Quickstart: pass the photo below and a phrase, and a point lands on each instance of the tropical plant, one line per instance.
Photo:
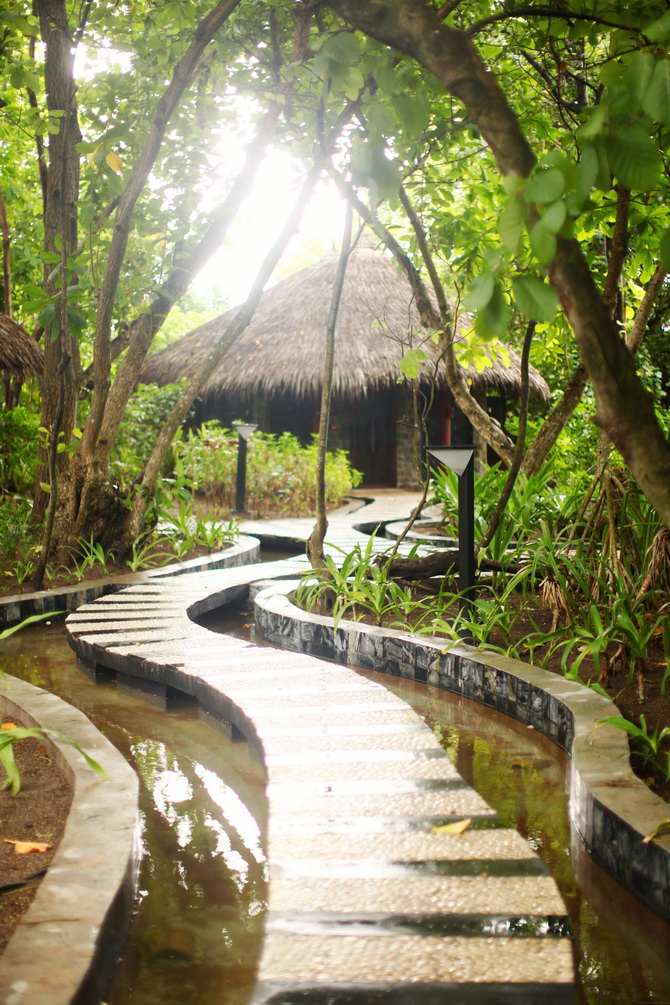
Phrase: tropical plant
(281, 472)
(645, 743)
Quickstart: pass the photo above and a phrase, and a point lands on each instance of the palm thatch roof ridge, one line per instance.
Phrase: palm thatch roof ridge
(283, 348)
(19, 352)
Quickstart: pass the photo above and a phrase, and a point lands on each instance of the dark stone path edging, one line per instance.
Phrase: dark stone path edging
(611, 809)
(65, 945)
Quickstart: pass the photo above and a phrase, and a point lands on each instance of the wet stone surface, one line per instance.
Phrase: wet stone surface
(359, 788)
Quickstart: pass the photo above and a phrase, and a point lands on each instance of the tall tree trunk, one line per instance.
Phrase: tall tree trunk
(60, 393)
(625, 410)
(318, 535)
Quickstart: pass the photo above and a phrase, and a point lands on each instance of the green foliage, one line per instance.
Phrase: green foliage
(19, 438)
(281, 473)
(143, 420)
(645, 743)
(533, 501)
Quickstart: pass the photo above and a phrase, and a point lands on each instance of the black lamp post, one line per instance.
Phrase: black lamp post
(244, 431)
(461, 460)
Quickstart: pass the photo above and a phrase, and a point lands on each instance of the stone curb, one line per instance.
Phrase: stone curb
(14, 610)
(610, 808)
(66, 943)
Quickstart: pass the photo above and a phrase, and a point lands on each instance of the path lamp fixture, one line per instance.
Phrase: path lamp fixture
(461, 460)
(244, 431)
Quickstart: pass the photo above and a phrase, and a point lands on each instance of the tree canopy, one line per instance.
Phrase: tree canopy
(513, 157)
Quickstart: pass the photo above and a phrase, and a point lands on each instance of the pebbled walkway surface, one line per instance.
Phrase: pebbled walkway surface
(372, 896)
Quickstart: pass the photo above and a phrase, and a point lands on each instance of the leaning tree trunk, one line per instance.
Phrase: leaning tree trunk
(60, 389)
(318, 535)
(127, 530)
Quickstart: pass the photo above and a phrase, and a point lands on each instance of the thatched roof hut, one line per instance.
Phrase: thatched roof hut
(282, 350)
(273, 373)
(19, 353)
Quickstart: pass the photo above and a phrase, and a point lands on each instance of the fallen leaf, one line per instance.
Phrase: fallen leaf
(9, 725)
(456, 828)
(657, 831)
(24, 847)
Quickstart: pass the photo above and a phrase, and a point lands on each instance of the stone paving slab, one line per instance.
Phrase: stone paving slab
(356, 785)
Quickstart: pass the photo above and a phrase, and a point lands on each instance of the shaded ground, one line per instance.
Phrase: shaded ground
(37, 813)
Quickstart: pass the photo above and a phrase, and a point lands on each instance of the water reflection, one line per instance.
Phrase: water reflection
(196, 935)
(622, 950)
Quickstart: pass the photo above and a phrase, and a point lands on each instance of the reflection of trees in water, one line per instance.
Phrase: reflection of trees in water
(201, 888)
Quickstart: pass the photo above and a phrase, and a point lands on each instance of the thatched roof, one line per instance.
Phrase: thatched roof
(282, 350)
(18, 351)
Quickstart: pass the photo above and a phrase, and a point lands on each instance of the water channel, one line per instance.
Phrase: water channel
(197, 932)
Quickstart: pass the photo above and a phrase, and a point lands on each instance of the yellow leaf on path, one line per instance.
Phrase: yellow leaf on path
(9, 725)
(657, 831)
(456, 828)
(114, 162)
(24, 847)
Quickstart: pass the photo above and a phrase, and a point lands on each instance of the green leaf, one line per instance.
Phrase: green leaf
(535, 299)
(45, 486)
(587, 173)
(656, 101)
(542, 242)
(659, 29)
(553, 217)
(639, 73)
(76, 320)
(665, 250)
(545, 186)
(492, 320)
(594, 125)
(343, 48)
(411, 362)
(480, 292)
(47, 315)
(512, 183)
(511, 224)
(634, 158)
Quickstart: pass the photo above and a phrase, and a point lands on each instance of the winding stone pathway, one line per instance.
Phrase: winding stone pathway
(371, 899)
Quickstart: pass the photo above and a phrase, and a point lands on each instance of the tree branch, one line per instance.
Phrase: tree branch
(181, 79)
(241, 320)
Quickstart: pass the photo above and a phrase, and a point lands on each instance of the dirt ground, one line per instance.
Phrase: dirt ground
(36, 814)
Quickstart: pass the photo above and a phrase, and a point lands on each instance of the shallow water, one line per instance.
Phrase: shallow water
(197, 933)
(622, 951)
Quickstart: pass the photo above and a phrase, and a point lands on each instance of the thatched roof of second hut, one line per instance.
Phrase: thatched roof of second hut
(282, 350)
(18, 351)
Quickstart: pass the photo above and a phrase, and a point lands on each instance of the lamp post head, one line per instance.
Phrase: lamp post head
(455, 458)
(245, 429)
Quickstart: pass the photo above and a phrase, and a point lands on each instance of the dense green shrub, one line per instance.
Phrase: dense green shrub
(281, 472)
(144, 417)
(19, 439)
